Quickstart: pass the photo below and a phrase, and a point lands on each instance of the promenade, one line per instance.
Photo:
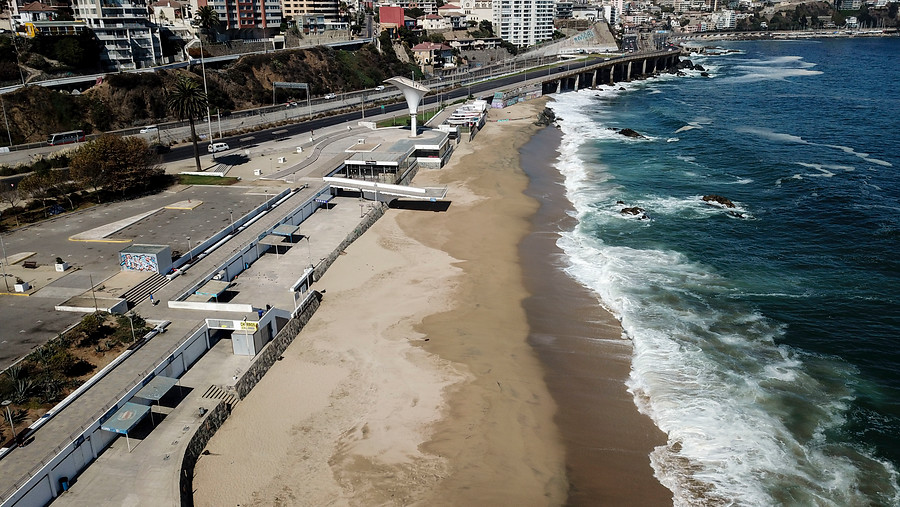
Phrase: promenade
(267, 282)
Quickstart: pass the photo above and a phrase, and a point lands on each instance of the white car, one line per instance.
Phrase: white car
(379, 88)
(217, 147)
(330, 96)
(149, 128)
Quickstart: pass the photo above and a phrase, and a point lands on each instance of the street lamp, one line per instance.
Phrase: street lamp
(231, 213)
(308, 252)
(190, 250)
(6, 404)
(3, 245)
(131, 319)
(206, 92)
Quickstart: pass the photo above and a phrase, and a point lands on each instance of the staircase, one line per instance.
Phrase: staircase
(141, 292)
(221, 393)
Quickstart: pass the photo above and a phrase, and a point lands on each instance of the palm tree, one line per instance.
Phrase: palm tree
(187, 100)
(208, 18)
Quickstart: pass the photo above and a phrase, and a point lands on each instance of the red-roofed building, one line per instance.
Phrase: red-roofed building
(391, 19)
(36, 11)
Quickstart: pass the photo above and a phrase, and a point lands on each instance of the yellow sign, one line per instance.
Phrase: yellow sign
(249, 325)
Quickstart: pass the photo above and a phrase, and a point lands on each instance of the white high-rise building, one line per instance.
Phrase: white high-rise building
(523, 22)
(123, 27)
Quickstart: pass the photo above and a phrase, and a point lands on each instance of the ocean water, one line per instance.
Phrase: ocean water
(765, 336)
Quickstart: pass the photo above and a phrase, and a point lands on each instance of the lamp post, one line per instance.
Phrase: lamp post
(231, 213)
(131, 319)
(3, 245)
(308, 252)
(206, 92)
(190, 250)
(6, 404)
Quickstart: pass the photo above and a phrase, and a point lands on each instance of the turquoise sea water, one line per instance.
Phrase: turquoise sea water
(767, 341)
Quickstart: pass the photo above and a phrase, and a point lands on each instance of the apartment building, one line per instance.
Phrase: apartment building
(130, 41)
(327, 9)
(523, 22)
(247, 14)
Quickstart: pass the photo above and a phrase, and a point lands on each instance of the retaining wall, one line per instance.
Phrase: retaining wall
(216, 417)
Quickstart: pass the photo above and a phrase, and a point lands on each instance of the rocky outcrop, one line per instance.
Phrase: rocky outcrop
(545, 117)
(631, 133)
(635, 212)
(714, 200)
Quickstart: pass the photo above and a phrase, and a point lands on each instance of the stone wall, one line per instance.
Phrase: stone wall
(216, 417)
(207, 429)
(263, 361)
(273, 350)
(370, 219)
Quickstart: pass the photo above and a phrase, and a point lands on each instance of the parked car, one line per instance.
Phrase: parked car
(149, 128)
(330, 96)
(217, 147)
(379, 88)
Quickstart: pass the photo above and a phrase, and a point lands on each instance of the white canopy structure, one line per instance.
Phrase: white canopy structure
(413, 92)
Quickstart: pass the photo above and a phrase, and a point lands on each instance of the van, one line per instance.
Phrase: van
(379, 88)
(149, 128)
(217, 147)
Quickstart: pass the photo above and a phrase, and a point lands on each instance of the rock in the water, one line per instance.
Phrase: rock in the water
(635, 211)
(631, 133)
(699, 67)
(704, 74)
(718, 199)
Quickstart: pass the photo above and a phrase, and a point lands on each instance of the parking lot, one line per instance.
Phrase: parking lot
(30, 321)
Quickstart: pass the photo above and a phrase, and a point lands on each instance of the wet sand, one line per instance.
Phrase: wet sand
(607, 440)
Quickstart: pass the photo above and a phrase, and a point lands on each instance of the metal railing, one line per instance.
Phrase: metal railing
(51, 455)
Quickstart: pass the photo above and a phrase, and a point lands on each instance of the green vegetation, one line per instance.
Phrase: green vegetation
(192, 179)
(55, 369)
(118, 166)
(188, 101)
(403, 121)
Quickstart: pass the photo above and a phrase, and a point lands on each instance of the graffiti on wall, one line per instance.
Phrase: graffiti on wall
(138, 262)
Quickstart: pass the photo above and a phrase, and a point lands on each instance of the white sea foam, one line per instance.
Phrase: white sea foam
(772, 135)
(746, 422)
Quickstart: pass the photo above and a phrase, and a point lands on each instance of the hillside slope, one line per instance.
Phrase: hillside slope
(128, 100)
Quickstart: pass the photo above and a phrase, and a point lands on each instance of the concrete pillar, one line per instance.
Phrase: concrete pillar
(612, 72)
(644, 67)
(577, 77)
(412, 122)
(594, 78)
(559, 86)
(628, 72)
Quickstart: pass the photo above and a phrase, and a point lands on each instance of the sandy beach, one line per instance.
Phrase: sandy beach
(418, 380)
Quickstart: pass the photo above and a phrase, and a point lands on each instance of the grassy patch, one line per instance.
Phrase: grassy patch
(191, 179)
(403, 121)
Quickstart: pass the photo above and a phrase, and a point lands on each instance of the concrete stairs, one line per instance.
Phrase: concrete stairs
(221, 393)
(141, 292)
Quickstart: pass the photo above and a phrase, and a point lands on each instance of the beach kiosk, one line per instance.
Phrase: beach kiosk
(148, 258)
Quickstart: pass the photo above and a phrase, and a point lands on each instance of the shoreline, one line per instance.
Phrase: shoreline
(585, 354)
(416, 381)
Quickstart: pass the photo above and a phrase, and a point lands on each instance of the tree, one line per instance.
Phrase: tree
(486, 27)
(187, 101)
(39, 185)
(10, 195)
(208, 19)
(114, 163)
(838, 18)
